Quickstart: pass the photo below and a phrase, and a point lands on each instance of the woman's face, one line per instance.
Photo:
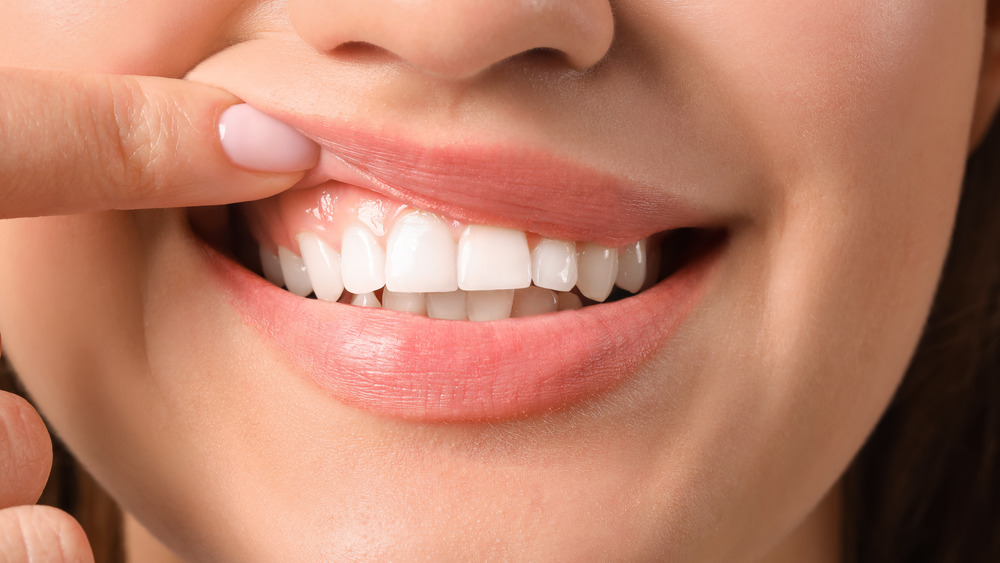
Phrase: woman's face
(238, 421)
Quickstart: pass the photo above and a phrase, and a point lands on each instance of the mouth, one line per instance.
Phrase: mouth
(394, 299)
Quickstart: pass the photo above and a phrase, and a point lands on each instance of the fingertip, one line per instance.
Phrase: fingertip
(42, 533)
(256, 141)
(25, 452)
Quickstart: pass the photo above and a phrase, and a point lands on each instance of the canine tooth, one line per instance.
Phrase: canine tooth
(405, 302)
(489, 305)
(569, 301)
(598, 268)
(449, 306)
(322, 265)
(553, 264)
(420, 256)
(633, 261)
(533, 301)
(366, 300)
(271, 266)
(362, 260)
(293, 269)
(493, 258)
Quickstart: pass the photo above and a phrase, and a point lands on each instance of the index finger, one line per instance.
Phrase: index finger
(73, 143)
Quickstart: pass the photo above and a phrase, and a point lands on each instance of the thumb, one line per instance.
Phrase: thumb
(74, 143)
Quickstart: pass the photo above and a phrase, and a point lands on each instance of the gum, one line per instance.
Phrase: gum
(326, 210)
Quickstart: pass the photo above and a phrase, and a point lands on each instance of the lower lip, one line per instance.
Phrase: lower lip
(412, 367)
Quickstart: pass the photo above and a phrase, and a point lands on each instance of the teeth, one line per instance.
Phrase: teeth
(553, 265)
(366, 300)
(598, 269)
(449, 306)
(534, 301)
(293, 269)
(569, 301)
(492, 258)
(420, 256)
(489, 305)
(271, 264)
(323, 266)
(404, 302)
(633, 262)
(362, 259)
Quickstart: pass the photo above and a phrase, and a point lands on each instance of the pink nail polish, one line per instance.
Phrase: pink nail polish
(255, 140)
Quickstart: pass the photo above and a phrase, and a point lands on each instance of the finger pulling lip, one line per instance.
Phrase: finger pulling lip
(406, 366)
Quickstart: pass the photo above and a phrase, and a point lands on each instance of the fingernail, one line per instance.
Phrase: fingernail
(257, 141)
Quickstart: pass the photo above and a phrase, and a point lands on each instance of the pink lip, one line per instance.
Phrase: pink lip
(501, 185)
(406, 366)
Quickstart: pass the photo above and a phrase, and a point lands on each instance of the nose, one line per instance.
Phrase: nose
(459, 39)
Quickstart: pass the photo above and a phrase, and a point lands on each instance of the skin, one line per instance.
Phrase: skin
(832, 135)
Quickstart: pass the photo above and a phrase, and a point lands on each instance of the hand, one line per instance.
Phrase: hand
(74, 143)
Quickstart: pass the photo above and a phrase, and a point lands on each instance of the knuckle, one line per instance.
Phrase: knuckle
(138, 142)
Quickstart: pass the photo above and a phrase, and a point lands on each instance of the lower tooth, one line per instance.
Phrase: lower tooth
(569, 301)
(293, 269)
(489, 305)
(323, 266)
(271, 266)
(533, 301)
(366, 300)
(404, 302)
(448, 306)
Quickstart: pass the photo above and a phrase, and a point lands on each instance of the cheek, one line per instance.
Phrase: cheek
(156, 37)
(68, 288)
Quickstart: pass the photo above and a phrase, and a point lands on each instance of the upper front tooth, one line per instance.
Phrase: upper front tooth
(271, 266)
(420, 256)
(632, 264)
(362, 260)
(598, 266)
(323, 266)
(493, 258)
(553, 264)
(293, 269)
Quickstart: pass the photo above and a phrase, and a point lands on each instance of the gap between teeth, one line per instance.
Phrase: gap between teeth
(490, 273)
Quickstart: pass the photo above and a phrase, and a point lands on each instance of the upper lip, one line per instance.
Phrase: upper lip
(532, 190)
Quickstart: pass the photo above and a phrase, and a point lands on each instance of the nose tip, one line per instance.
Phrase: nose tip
(459, 39)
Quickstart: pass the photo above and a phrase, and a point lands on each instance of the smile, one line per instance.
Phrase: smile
(379, 293)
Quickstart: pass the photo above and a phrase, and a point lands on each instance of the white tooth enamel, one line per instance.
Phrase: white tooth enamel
(598, 269)
(271, 266)
(493, 258)
(489, 305)
(404, 302)
(323, 266)
(633, 261)
(293, 269)
(533, 301)
(420, 256)
(569, 301)
(449, 306)
(553, 264)
(362, 260)
(366, 300)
